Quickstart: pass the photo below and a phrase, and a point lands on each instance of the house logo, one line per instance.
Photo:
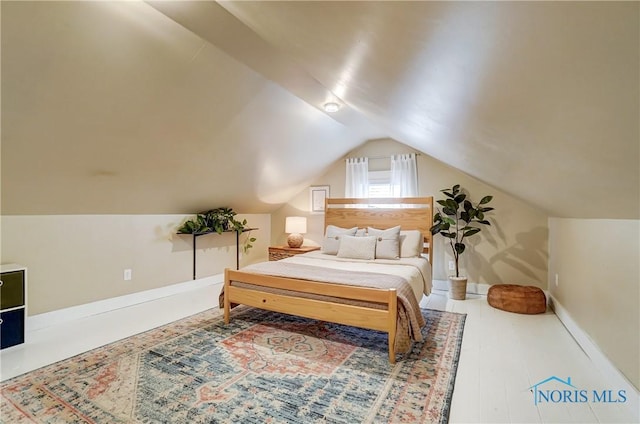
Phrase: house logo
(556, 390)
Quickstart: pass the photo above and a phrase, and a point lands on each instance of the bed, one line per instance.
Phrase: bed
(326, 286)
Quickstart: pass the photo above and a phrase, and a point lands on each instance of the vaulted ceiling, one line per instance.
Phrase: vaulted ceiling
(172, 107)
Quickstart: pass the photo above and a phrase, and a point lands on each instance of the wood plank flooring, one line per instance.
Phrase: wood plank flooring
(503, 355)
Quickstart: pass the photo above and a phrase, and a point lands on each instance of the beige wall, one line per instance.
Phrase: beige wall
(596, 261)
(77, 259)
(513, 250)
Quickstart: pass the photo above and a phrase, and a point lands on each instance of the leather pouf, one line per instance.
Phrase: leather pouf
(518, 299)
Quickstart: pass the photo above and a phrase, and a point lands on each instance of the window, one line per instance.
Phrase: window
(380, 184)
(400, 180)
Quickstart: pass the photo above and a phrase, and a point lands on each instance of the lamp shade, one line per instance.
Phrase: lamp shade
(295, 224)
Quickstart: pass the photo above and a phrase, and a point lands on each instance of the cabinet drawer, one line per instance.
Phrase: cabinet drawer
(11, 328)
(12, 289)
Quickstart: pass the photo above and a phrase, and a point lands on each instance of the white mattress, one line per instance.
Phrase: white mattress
(417, 271)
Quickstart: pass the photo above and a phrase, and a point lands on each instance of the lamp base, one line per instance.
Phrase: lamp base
(295, 240)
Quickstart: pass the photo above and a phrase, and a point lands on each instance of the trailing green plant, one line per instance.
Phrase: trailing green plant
(247, 244)
(217, 220)
(457, 218)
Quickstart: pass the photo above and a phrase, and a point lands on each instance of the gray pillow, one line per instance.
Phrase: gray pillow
(411, 243)
(353, 247)
(331, 241)
(387, 242)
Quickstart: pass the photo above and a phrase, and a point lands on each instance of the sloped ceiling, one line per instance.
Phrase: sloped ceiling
(113, 108)
(164, 107)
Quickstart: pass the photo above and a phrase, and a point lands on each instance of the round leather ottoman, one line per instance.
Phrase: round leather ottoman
(518, 299)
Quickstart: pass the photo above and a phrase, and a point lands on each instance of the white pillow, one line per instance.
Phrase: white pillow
(331, 241)
(411, 243)
(353, 247)
(387, 242)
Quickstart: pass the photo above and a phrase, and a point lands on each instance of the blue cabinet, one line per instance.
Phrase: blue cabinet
(11, 328)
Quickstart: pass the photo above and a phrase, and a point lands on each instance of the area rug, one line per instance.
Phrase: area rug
(264, 367)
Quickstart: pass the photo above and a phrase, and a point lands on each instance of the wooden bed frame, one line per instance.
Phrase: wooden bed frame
(417, 214)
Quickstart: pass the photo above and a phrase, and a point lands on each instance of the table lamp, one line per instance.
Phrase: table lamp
(295, 226)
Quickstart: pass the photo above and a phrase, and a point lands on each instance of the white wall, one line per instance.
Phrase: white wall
(77, 259)
(597, 263)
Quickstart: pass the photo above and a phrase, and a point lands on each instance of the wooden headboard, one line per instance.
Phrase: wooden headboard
(411, 213)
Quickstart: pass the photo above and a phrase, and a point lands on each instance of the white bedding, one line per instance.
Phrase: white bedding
(417, 271)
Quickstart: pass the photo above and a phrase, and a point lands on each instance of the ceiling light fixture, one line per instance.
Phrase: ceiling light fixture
(331, 107)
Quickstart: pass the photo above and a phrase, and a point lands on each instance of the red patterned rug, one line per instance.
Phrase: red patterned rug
(264, 367)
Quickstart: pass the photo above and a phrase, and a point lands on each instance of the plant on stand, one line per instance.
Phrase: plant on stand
(217, 220)
(456, 221)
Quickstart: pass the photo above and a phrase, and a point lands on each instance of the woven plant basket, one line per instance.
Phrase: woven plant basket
(458, 288)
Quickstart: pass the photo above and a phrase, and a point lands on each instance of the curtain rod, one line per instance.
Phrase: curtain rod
(382, 157)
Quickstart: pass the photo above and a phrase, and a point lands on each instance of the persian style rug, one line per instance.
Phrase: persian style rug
(263, 367)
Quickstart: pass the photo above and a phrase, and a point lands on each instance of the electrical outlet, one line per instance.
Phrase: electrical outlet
(556, 280)
(452, 266)
(127, 274)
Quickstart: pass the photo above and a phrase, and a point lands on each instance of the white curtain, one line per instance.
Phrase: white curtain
(404, 175)
(357, 181)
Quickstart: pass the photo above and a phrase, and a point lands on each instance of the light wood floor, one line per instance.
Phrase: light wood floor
(503, 354)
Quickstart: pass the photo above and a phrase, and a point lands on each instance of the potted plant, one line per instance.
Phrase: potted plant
(457, 221)
(216, 220)
(222, 219)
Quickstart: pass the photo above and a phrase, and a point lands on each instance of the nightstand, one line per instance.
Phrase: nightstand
(280, 252)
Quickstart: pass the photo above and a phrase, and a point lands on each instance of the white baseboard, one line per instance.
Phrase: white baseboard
(600, 361)
(472, 288)
(40, 321)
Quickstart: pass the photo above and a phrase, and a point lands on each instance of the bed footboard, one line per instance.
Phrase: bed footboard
(295, 302)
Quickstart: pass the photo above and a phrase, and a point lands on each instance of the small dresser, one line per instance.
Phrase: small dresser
(280, 252)
(13, 294)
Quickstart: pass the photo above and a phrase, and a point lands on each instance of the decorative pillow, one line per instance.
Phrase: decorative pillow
(387, 242)
(411, 243)
(353, 247)
(331, 241)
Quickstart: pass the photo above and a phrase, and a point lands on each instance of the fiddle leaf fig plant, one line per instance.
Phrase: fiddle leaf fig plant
(458, 219)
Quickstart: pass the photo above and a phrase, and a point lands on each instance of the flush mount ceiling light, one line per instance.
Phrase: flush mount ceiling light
(331, 107)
